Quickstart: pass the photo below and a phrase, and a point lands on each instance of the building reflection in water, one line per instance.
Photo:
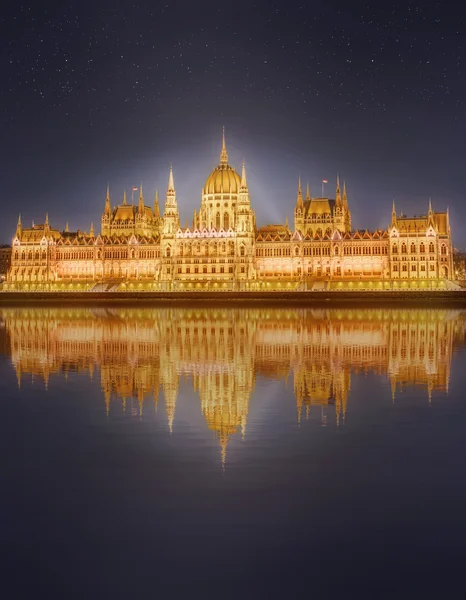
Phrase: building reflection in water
(139, 352)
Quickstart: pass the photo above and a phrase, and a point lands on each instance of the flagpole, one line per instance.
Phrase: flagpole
(322, 188)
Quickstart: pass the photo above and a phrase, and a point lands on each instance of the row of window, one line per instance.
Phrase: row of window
(404, 267)
(204, 269)
(422, 248)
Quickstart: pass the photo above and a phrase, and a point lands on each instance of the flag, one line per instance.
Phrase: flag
(324, 181)
(135, 189)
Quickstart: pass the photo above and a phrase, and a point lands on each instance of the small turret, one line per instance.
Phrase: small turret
(308, 192)
(393, 214)
(124, 198)
(91, 230)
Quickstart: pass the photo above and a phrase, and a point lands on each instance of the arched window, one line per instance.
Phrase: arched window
(296, 251)
(431, 247)
(336, 250)
(133, 253)
(226, 221)
(168, 252)
(217, 220)
(413, 248)
(403, 248)
(394, 249)
(242, 251)
(422, 248)
(443, 249)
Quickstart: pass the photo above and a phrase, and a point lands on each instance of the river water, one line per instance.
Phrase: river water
(233, 453)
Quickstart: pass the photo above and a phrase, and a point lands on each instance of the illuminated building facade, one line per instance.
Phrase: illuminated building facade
(138, 246)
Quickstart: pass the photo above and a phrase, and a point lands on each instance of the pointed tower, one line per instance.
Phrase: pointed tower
(105, 222)
(337, 193)
(141, 202)
(67, 228)
(223, 153)
(107, 201)
(430, 214)
(299, 210)
(124, 198)
(156, 206)
(393, 214)
(171, 218)
(308, 193)
(47, 224)
(346, 211)
(19, 228)
(91, 230)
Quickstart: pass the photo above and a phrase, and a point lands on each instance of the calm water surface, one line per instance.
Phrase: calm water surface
(243, 453)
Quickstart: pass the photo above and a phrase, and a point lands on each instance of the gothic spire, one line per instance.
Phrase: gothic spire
(19, 226)
(124, 198)
(141, 201)
(107, 201)
(337, 192)
(308, 191)
(393, 213)
(345, 199)
(299, 199)
(67, 228)
(91, 230)
(156, 205)
(431, 212)
(223, 153)
(244, 183)
(171, 184)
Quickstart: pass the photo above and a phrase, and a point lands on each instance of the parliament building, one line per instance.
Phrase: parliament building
(140, 247)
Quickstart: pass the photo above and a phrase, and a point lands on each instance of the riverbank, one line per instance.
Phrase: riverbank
(421, 298)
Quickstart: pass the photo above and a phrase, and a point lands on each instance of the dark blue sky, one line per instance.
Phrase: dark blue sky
(103, 91)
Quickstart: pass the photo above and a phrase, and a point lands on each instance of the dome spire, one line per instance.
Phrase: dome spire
(223, 153)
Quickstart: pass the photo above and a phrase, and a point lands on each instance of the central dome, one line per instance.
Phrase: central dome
(223, 179)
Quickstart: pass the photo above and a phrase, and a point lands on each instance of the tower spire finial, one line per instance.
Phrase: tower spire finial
(244, 183)
(141, 201)
(171, 183)
(124, 198)
(299, 199)
(337, 192)
(430, 206)
(223, 153)
(345, 199)
(308, 191)
(156, 205)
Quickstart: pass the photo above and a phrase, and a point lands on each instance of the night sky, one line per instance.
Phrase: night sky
(97, 92)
